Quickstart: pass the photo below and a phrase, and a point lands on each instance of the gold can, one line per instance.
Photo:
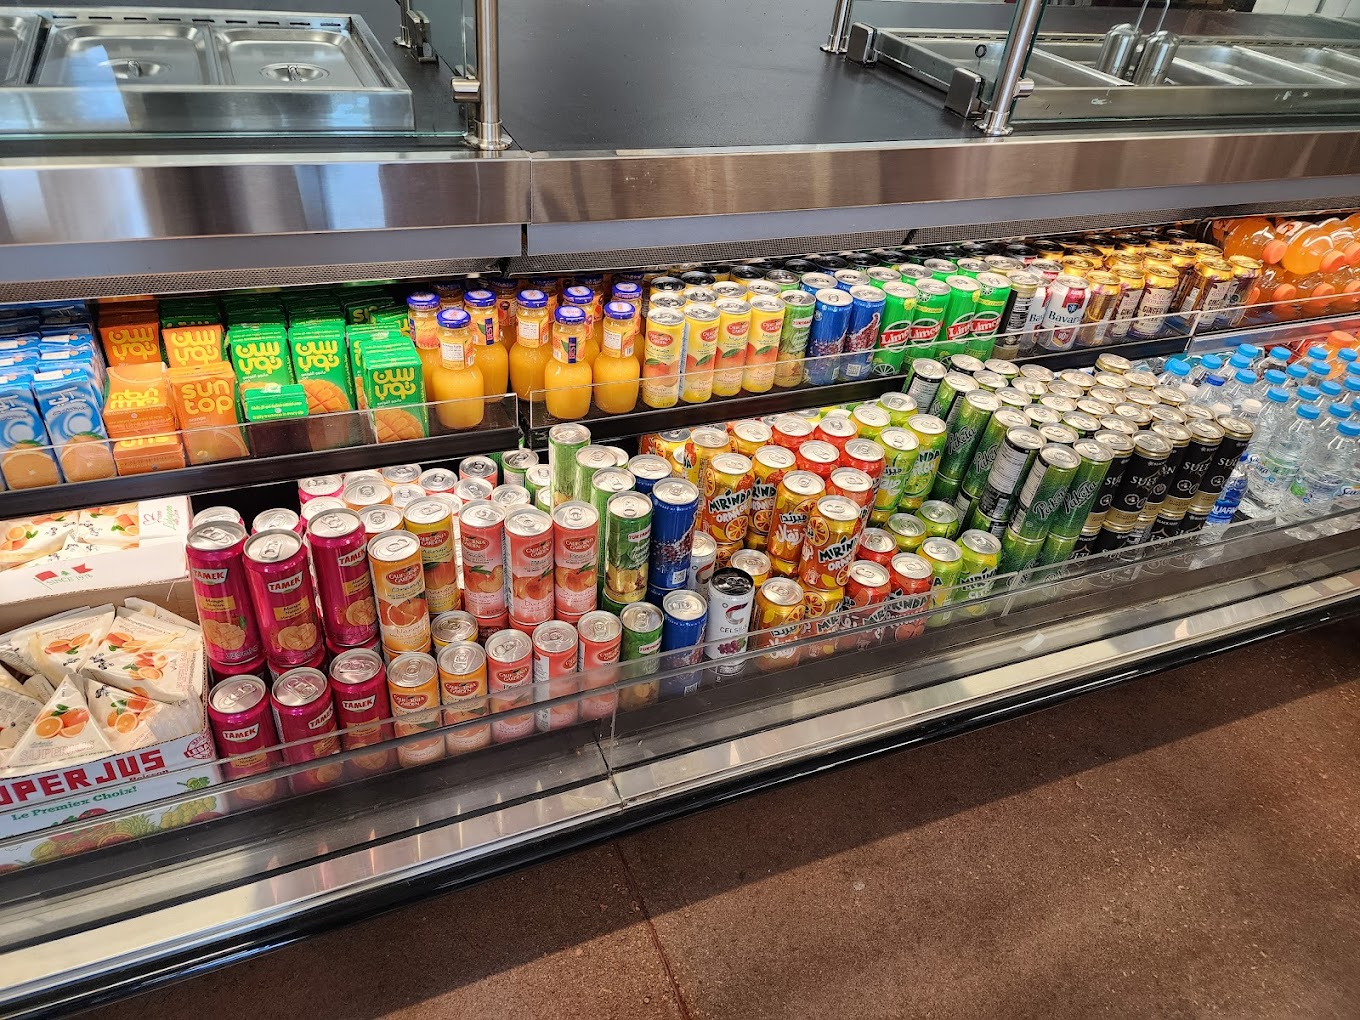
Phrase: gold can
(1049, 249)
(725, 501)
(705, 443)
(665, 444)
(1247, 273)
(750, 435)
(777, 620)
(1180, 256)
(1206, 288)
(1104, 290)
(1159, 287)
(829, 543)
(1080, 265)
(1131, 293)
(795, 496)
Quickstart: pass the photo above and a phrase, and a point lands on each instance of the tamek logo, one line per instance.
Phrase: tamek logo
(352, 558)
(285, 585)
(210, 577)
(357, 706)
(241, 736)
(324, 720)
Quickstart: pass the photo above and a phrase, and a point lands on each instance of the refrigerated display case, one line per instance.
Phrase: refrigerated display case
(713, 156)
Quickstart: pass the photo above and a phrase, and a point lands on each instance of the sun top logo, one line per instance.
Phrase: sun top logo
(242, 735)
(285, 585)
(352, 558)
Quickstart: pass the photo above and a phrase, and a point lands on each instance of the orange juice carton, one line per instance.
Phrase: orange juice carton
(187, 346)
(260, 355)
(70, 402)
(123, 718)
(60, 646)
(138, 401)
(147, 656)
(131, 334)
(141, 455)
(60, 733)
(204, 397)
(26, 459)
(394, 391)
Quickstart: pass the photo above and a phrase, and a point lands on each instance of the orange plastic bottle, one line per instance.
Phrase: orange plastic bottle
(1256, 238)
(1312, 250)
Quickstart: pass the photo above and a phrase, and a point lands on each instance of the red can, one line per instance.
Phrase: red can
(790, 431)
(349, 616)
(870, 584)
(482, 525)
(818, 457)
(509, 679)
(555, 657)
(877, 546)
(220, 671)
(281, 591)
(280, 517)
(485, 628)
(911, 580)
(305, 715)
(380, 519)
(359, 686)
(216, 557)
(854, 485)
(332, 650)
(576, 549)
(529, 553)
(601, 639)
(836, 429)
(866, 455)
(277, 669)
(470, 490)
(243, 731)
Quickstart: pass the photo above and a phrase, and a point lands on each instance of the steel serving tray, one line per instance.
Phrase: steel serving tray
(18, 44)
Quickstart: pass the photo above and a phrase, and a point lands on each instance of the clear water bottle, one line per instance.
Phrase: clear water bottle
(1239, 388)
(1331, 390)
(1273, 416)
(1174, 372)
(1350, 391)
(1347, 356)
(1270, 475)
(1210, 364)
(1275, 377)
(1327, 469)
(1228, 500)
(1317, 353)
(1254, 355)
(1279, 358)
(1296, 375)
(1305, 395)
(1318, 371)
(1238, 362)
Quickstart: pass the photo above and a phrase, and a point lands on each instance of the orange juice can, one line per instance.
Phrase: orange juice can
(413, 690)
(829, 544)
(462, 692)
(556, 650)
(529, 551)
(725, 511)
(362, 493)
(482, 530)
(777, 620)
(399, 586)
(795, 496)
(430, 519)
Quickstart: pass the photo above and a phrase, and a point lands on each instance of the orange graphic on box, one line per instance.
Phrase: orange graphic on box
(204, 399)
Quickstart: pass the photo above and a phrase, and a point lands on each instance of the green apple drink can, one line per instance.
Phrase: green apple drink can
(958, 316)
(899, 309)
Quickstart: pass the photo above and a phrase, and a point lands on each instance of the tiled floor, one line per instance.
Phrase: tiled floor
(1182, 846)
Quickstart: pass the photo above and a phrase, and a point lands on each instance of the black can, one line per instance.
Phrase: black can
(782, 278)
(1026, 253)
(698, 278)
(1141, 473)
(1086, 545)
(799, 266)
(1121, 448)
(1192, 521)
(1199, 454)
(860, 259)
(829, 263)
(1112, 537)
(1165, 526)
(1179, 438)
(915, 254)
(747, 274)
(1237, 433)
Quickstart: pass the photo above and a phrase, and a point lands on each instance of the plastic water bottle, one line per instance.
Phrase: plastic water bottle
(1280, 357)
(1351, 388)
(1238, 362)
(1347, 356)
(1228, 500)
(1327, 469)
(1318, 370)
(1296, 375)
(1317, 353)
(1270, 476)
(1275, 376)
(1210, 364)
(1175, 372)
(1305, 395)
(1254, 355)
(1273, 416)
(1239, 388)
(1331, 390)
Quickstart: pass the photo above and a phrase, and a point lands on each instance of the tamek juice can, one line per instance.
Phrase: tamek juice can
(216, 559)
(304, 712)
(359, 687)
(243, 730)
(349, 615)
(280, 581)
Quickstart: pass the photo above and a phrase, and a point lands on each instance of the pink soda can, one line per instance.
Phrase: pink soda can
(280, 580)
(362, 710)
(304, 712)
(349, 614)
(216, 558)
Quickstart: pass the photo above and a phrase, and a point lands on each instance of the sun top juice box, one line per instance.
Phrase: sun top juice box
(191, 345)
(272, 402)
(70, 401)
(394, 390)
(131, 334)
(26, 459)
(204, 397)
(359, 303)
(321, 365)
(138, 402)
(189, 311)
(142, 454)
(260, 355)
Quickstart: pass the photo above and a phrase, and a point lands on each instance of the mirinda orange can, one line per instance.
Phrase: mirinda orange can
(399, 587)
(462, 692)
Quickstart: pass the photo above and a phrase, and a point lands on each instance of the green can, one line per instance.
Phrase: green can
(870, 419)
(1012, 397)
(967, 422)
(881, 276)
(928, 324)
(627, 536)
(940, 519)
(993, 294)
(958, 317)
(1011, 467)
(946, 564)
(641, 640)
(1018, 553)
(1069, 519)
(1044, 490)
(604, 486)
(899, 406)
(1084, 424)
(981, 561)
(990, 381)
(923, 381)
(1008, 369)
(965, 363)
(951, 387)
(900, 450)
(798, 308)
(941, 269)
(907, 530)
(977, 520)
(565, 441)
(946, 487)
(543, 499)
(1057, 548)
(899, 310)
(589, 460)
(931, 436)
(984, 454)
(613, 602)
(913, 272)
(1063, 435)
(539, 479)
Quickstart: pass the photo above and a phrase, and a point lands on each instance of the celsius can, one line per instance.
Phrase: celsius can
(509, 679)
(731, 594)
(280, 581)
(349, 616)
(215, 553)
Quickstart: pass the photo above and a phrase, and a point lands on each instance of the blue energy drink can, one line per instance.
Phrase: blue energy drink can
(826, 340)
(675, 507)
(813, 282)
(866, 315)
(684, 616)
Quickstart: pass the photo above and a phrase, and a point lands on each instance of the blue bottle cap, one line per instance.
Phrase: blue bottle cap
(1330, 388)
(1275, 377)
(571, 315)
(1298, 370)
(453, 318)
(1320, 368)
(423, 301)
(1238, 361)
(624, 310)
(532, 299)
(1309, 411)
(480, 299)
(1347, 354)
(626, 290)
(1353, 368)
(1308, 394)
(1280, 354)
(1339, 411)
(1349, 428)
(1211, 362)
(1249, 351)
(1317, 353)
(578, 295)
(1178, 367)
(1353, 383)
(1277, 396)
(1246, 377)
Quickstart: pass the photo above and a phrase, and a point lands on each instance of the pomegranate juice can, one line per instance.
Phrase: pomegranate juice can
(462, 692)
(280, 580)
(482, 524)
(576, 553)
(399, 589)
(359, 686)
(243, 731)
(509, 679)
(413, 688)
(601, 641)
(529, 554)
(216, 559)
(349, 616)
(555, 658)
(305, 715)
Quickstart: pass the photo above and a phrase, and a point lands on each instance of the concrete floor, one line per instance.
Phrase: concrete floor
(1182, 846)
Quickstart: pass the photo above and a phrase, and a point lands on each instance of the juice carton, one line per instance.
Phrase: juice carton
(394, 391)
(189, 311)
(321, 365)
(138, 402)
(62, 355)
(359, 303)
(204, 398)
(70, 401)
(141, 454)
(260, 355)
(26, 459)
(278, 417)
(131, 333)
(192, 345)
(393, 316)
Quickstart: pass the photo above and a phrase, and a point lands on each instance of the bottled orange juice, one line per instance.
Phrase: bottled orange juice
(531, 354)
(422, 313)
(567, 377)
(488, 353)
(584, 298)
(631, 293)
(1312, 250)
(455, 379)
(616, 370)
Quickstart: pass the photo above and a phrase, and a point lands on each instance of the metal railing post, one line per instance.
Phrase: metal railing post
(840, 28)
(1010, 81)
(487, 130)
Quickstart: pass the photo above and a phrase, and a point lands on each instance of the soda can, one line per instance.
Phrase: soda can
(877, 546)
(967, 424)
(941, 268)
(311, 509)
(589, 460)
(304, 714)
(912, 579)
(1237, 434)
(836, 429)
(899, 406)
(700, 351)
(1012, 462)
(507, 497)
(308, 489)
(769, 464)
(799, 307)
(509, 685)
(812, 282)
(958, 316)
(790, 431)
(1205, 437)
(565, 441)
(399, 590)
(754, 563)
(927, 325)
(280, 518)
(1070, 516)
(865, 455)
(951, 387)
(939, 519)
(899, 312)
(946, 565)
(400, 474)
(1019, 553)
(458, 625)
(684, 619)
(529, 543)
(647, 469)
(829, 545)
(1057, 549)
(731, 595)
(675, 511)
(749, 435)
(413, 690)
(1142, 472)
(931, 436)
(1064, 312)
(627, 538)
(871, 419)
(820, 608)
(817, 457)
(726, 507)
(848, 279)
(556, 657)
(431, 521)
(482, 535)
(796, 494)
(900, 449)
(480, 467)
(826, 339)
(703, 558)
(243, 730)
(349, 615)
(776, 621)
(601, 639)
(469, 490)
(215, 554)
(365, 492)
(663, 356)
(463, 695)
(280, 581)
(866, 316)
(1120, 447)
(734, 329)
(869, 586)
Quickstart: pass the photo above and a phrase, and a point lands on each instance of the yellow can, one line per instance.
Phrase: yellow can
(701, 346)
(664, 349)
(734, 329)
(399, 587)
(705, 443)
(665, 444)
(462, 692)
(749, 435)
(431, 521)
(762, 350)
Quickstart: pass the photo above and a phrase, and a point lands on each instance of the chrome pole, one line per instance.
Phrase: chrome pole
(1010, 81)
(487, 131)
(840, 27)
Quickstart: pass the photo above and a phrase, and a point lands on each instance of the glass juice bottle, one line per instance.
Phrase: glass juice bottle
(566, 379)
(531, 353)
(616, 370)
(456, 380)
(488, 354)
(422, 314)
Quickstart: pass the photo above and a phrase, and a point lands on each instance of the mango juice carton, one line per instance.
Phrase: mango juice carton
(70, 401)
(193, 345)
(394, 391)
(260, 356)
(278, 419)
(189, 311)
(359, 303)
(131, 333)
(26, 460)
(143, 454)
(321, 365)
(204, 397)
